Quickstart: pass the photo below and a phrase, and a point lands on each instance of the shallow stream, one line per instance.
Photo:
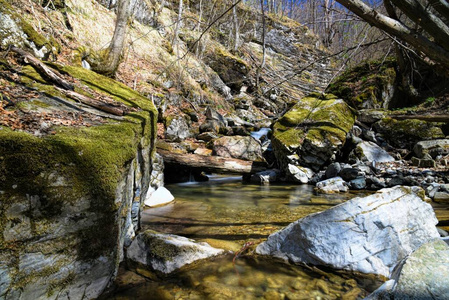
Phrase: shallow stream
(227, 213)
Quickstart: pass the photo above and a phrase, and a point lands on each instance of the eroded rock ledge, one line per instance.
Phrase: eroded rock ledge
(70, 200)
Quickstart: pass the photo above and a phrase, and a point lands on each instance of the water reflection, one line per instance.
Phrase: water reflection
(227, 213)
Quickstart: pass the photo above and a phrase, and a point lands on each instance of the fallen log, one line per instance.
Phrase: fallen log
(213, 164)
(428, 118)
(106, 107)
(50, 74)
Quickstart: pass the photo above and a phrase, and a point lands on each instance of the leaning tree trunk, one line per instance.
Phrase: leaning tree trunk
(109, 63)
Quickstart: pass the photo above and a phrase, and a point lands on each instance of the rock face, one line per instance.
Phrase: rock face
(178, 129)
(71, 201)
(369, 235)
(240, 147)
(14, 30)
(314, 129)
(167, 252)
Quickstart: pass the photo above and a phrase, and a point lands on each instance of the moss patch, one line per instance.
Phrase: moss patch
(365, 86)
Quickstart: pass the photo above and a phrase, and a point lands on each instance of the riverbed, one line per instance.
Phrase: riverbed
(227, 213)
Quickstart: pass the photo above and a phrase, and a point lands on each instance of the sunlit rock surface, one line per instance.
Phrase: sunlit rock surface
(369, 235)
(167, 252)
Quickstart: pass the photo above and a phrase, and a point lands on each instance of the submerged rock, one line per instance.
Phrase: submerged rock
(369, 235)
(265, 177)
(167, 252)
(314, 129)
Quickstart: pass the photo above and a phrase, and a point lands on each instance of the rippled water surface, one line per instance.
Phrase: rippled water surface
(227, 214)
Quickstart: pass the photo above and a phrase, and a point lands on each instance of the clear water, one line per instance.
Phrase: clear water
(227, 214)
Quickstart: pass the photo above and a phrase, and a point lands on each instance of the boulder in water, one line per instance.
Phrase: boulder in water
(366, 234)
(421, 276)
(299, 174)
(167, 252)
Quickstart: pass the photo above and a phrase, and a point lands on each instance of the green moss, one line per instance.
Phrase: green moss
(363, 86)
(312, 121)
(91, 161)
(161, 248)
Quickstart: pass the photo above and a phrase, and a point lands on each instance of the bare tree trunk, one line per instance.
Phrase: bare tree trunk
(262, 65)
(178, 25)
(200, 17)
(328, 30)
(114, 52)
(236, 27)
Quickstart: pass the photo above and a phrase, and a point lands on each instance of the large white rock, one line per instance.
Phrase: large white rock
(370, 234)
(167, 252)
(159, 197)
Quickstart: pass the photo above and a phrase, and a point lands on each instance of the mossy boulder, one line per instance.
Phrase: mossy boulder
(406, 133)
(368, 86)
(312, 131)
(70, 200)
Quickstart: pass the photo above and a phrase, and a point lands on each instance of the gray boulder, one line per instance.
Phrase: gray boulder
(240, 147)
(167, 252)
(314, 130)
(370, 152)
(265, 177)
(366, 234)
(333, 169)
(433, 147)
